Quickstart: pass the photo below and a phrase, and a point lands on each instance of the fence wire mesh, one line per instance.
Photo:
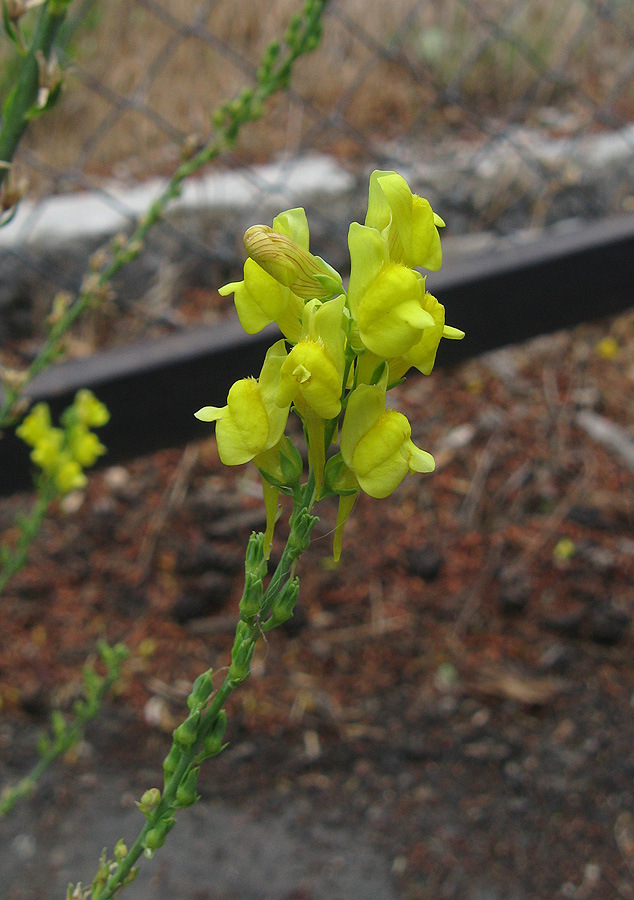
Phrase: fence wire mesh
(509, 115)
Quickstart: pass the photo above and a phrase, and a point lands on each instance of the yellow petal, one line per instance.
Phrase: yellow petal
(390, 313)
(210, 413)
(366, 405)
(369, 255)
(243, 431)
(294, 224)
(418, 460)
(308, 369)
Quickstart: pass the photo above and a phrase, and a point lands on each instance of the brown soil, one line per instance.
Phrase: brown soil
(459, 688)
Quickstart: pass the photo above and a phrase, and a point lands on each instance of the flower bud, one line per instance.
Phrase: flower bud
(187, 732)
(149, 801)
(155, 837)
(186, 792)
(171, 761)
(289, 263)
(283, 605)
(120, 851)
(242, 653)
(212, 745)
(201, 690)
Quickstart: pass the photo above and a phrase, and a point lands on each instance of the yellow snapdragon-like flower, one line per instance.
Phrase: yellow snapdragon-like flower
(90, 412)
(63, 453)
(261, 299)
(385, 298)
(347, 349)
(283, 252)
(315, 366)
(422, 355)
(407, 221)
(69, 475)
(84, 445)
(376, 442)
(252, 421)
(36, 425)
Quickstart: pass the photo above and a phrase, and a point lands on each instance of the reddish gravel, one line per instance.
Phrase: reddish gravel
(461, 685)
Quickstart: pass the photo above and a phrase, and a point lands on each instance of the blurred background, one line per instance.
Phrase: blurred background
(449, 714)
(509, 115)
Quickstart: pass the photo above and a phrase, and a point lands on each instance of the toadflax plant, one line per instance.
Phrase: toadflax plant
(341, 353)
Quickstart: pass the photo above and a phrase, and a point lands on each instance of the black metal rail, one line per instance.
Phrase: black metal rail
(153, 389)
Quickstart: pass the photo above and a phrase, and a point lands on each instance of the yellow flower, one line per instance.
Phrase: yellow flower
(407, 221)
(68, 475)
(283, 252)
(386, 298)
(376, 442)
(36, 425)
(47, 451)
(252, 421)
(84, 446)
(315, 366)
(90, 412)
(422, 355)
(261, 299)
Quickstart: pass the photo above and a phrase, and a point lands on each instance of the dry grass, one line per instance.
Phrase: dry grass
(381, 71)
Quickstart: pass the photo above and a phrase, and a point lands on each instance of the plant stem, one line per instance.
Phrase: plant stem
(292, 551)
(29, 529)
(247, 108)
(65, 740)
(23, 96)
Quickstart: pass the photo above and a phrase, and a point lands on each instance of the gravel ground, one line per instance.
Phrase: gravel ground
(448, 715)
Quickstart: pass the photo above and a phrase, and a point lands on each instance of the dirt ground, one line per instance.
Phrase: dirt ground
(448, 715)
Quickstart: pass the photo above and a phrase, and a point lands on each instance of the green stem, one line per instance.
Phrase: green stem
(16, 557)
(298, 540)
(15, 114)
(247, 108)
(302, 504)
(62, 742)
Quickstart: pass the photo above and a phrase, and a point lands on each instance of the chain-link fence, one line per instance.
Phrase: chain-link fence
(509, 115)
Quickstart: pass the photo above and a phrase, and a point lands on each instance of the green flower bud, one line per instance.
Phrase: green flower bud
(212, 745)
(299, 538)
(242, 653)
(149, 801)
(58, 724)
(155, 837)
(187, 732)
(284, 605)
(186, 792)
(120, 850)
(251, 600)
(171, 761)
(112, 656)
(255, 563)
(201, 690)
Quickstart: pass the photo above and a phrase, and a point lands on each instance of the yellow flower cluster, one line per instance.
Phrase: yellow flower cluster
(347, 348)
(63, 453)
